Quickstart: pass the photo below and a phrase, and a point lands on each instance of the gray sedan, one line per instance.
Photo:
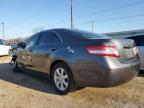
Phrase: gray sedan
(74, 58)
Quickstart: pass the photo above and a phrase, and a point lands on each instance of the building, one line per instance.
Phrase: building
(126, 34)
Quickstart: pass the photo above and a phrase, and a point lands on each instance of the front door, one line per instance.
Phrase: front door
(28, 51)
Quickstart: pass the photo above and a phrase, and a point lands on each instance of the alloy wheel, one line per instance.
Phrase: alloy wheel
(61, 79)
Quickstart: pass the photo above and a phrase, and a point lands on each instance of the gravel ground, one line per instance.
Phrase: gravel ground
(22, 90)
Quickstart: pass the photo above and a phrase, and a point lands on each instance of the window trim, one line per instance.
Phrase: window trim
(57, 35)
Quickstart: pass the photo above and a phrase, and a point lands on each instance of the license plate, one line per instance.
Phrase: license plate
(129, 53)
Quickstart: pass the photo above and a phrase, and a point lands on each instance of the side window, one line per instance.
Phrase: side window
(139, 40)
(48, 38)
(32, 40)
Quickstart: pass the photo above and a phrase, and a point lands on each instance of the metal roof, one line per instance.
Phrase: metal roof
(125, 34)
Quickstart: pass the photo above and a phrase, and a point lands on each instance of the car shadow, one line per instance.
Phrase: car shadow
(141, 74)
(26, 79)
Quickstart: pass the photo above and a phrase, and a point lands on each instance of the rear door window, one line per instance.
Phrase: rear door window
(48, 38)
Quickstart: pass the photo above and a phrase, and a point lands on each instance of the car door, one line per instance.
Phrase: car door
(45, 50)
(6, 49)
(3, 48)
(27, 52)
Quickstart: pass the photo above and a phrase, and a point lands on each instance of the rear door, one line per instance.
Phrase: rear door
(44, 51)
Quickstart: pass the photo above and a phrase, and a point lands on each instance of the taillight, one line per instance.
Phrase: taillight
(111, 51)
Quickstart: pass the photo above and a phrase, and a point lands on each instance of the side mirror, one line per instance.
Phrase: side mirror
(21, 45)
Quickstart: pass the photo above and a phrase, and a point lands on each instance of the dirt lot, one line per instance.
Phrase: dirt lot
(22, 90)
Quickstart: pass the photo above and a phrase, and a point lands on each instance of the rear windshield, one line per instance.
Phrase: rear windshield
(91, 35)
(1, 42)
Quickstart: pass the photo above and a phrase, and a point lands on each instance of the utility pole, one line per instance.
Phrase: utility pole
(3, 30)
(72, 24)
(92, 24)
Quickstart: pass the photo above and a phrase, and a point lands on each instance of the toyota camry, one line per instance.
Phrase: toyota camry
(75, 58)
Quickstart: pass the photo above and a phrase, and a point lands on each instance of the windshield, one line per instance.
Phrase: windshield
(1, 42)
(91, 35)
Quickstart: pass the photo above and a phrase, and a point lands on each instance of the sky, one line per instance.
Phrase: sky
(21, 17)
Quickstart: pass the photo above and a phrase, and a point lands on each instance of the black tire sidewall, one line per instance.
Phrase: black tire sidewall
(15, 69)
(70, 78)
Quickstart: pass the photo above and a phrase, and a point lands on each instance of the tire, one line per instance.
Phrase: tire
(9, 53)
(62, 79)
(15, 67)
(141, 72)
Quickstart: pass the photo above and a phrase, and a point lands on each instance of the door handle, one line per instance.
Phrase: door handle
(53, 49)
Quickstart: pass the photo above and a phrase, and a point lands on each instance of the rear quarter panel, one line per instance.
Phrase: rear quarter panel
(74, 55)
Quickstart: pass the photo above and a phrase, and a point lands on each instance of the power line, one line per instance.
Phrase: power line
(113, 9)
(106, 10)
(113, 19)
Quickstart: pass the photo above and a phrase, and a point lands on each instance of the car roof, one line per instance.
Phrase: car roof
(67, 35)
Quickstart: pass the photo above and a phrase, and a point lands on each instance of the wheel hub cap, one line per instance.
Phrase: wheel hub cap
(61, 78)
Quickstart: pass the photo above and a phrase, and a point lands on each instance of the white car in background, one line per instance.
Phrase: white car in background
(4, 49)
(139, 41)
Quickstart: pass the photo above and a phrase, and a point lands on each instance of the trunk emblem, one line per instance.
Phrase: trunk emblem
(70, 50)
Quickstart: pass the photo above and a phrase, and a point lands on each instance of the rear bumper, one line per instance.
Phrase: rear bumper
(92, 75)
(119, 76)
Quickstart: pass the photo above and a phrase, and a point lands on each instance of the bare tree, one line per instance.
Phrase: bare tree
(13, 41)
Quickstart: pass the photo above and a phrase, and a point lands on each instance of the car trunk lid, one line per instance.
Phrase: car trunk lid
(127, 49)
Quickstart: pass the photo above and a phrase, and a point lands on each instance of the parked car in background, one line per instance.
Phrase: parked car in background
(74, 58)
(4, 49)
(139, 40)
(13, 47)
